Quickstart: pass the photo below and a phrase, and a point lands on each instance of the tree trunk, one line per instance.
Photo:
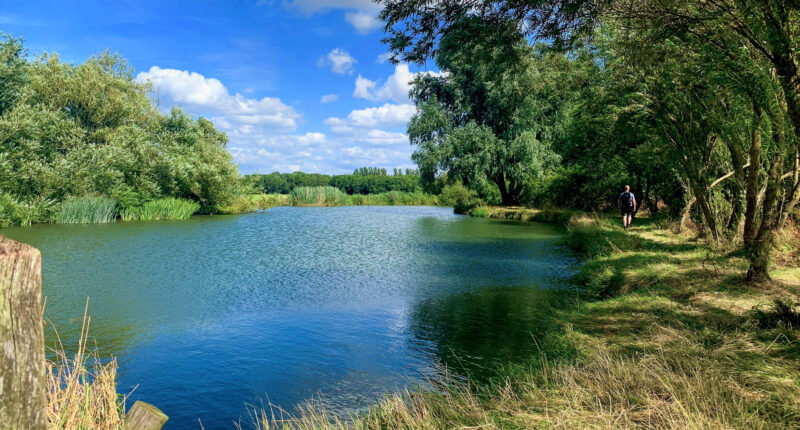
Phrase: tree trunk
(751, 194)
(737, 159)
(761, 246)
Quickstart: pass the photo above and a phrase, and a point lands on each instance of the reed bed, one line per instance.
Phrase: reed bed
(84, 210)
(83, 395)
(169, 208)
(394, 198)
(318, 196)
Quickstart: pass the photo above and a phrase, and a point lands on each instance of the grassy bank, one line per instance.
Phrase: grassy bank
(667, 335)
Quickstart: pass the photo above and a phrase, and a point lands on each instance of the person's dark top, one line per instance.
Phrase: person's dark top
(629, 204)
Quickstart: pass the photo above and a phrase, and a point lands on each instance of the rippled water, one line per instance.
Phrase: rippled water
(340, 304)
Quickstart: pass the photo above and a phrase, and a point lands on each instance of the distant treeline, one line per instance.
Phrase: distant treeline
(365, 180)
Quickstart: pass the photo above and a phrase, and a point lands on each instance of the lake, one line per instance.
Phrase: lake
(337, 304)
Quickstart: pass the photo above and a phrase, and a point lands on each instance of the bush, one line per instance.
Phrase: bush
(479, 212)
(460, 198)
(318, 196)
(84, 210)
(14, 211)
(162, 209)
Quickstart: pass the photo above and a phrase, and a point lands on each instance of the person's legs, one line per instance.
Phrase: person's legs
(624, 220)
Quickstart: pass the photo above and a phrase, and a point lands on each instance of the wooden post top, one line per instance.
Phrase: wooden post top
(144, 416)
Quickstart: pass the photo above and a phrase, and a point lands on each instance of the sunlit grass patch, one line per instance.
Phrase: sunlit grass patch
(84, 210)
(169, 208)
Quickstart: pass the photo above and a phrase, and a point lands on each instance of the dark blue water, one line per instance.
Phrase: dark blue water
(335, 304)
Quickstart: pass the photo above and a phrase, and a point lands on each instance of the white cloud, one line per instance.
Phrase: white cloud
(339, 60)
(362, 15)
(208, 96)
(363, 22)
(329, 98)
(384, 58)
(396, 86)
(388, 115)
(313, 6)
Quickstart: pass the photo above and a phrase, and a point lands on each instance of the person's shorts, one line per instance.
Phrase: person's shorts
(627, 211)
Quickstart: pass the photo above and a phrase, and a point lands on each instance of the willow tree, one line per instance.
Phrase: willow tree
(491, 116)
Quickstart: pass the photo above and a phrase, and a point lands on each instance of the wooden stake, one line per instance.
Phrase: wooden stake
(23, 395)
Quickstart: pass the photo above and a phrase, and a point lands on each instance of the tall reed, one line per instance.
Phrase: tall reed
(168, 208)
(318, 196)
(83, 395)
(82, 210)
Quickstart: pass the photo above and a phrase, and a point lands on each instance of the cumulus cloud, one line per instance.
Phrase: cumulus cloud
(339, 60)
(208, 96)
(329, 98)
(395, 87)
(363, 22)
(388, 115)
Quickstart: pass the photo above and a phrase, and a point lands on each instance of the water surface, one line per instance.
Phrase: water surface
(338, 304)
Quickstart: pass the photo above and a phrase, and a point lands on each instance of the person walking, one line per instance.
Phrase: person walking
(627, 205)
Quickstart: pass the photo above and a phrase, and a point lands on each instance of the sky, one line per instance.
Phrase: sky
(296, 84)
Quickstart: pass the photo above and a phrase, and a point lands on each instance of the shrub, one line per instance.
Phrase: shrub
(84, 210)
(14, 211)
(168, 208)
(318, 196)
(479, 212)
(460, 198)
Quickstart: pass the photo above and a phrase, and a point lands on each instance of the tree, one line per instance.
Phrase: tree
(492, 117)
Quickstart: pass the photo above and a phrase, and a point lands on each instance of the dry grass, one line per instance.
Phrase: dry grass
(83, 396)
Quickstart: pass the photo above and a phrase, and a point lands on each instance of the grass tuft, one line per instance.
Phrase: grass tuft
(84, 210)
(82, 395)
(162, 209)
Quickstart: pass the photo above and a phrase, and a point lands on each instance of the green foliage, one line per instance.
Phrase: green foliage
(318, 196)
(91, 130)
(360, 183)
(14, 211)
(84, 210)
(461, 198)
(493, 117)
(393, 198)
(479, 212)
(168, 208)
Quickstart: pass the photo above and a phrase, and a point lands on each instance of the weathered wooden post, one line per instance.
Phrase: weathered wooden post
(23, 395)
(144, 416)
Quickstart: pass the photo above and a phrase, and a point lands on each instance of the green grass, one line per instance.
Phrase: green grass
(254, 202)
(84, 210)
(161, 209)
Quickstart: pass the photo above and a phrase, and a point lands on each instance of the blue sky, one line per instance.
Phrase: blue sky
(296, 84)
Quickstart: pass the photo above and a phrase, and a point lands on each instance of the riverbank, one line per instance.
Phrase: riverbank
(666, 335)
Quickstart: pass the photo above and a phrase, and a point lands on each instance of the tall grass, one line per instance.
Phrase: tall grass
(82, 395)
(394, 198)
(253, 202)
(84, 210)
(318, 196)
(168, 208)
